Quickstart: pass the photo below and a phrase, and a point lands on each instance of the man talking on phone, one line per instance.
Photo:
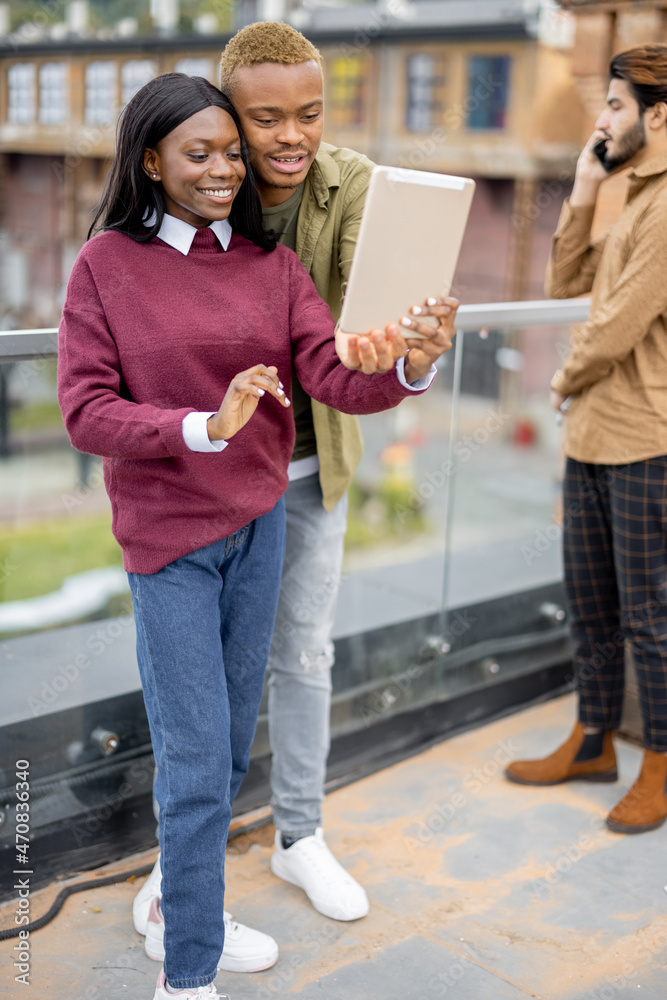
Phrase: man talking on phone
(615, 485)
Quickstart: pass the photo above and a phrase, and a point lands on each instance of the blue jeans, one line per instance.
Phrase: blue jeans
(204, 625)
(302, 655)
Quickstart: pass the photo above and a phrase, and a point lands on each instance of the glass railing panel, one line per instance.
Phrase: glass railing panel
(462, 484)
(395, 544)
(59, 562)
(71, 706)
(505, 513)
(457, 493)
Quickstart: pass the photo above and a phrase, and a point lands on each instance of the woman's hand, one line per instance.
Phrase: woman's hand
(438, 339)
(241, 401)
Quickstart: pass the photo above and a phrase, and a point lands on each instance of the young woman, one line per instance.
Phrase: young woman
(180, 302)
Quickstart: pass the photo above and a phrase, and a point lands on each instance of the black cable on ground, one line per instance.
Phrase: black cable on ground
(69, 890)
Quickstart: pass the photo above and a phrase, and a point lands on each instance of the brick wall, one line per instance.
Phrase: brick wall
(46, 214)
(32, 220)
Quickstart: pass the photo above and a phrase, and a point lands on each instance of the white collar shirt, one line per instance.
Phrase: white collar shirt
(179, 234)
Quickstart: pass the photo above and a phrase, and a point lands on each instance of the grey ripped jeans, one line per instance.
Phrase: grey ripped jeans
(302, 656)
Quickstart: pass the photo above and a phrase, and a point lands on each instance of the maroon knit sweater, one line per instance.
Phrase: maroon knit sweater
(149, 335)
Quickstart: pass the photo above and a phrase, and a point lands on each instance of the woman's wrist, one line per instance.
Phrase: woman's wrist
(215, 432)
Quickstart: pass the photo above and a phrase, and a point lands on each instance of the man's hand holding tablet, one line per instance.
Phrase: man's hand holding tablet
(411, 231)
(378, 351)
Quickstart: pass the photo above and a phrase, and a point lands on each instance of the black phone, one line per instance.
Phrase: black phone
(600, 150)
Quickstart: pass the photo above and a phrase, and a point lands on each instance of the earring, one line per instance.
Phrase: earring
(154, 175)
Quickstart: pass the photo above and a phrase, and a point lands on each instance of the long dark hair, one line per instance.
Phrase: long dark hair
(130, 196)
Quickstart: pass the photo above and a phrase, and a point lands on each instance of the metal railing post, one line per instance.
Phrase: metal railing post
(451, 466)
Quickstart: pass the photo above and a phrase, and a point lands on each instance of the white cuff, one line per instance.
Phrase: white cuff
(195, 433)
(421, 383)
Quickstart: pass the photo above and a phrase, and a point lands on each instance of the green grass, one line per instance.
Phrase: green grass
(383, 515)
(34, 560)
(35, 417)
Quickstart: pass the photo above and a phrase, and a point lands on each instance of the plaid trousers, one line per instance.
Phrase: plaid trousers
(615, 556)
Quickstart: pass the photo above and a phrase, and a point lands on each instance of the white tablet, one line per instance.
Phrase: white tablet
(409, 240)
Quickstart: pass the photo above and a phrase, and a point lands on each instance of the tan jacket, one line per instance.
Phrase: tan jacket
(617, 370)
(327, 228)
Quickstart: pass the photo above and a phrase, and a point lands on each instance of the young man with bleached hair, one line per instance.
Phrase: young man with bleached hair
(615, 533)
(312, 197)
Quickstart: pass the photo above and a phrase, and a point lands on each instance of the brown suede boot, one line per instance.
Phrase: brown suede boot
(561, 766)
(645, 805)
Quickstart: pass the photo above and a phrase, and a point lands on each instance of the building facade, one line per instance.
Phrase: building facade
(480, 90)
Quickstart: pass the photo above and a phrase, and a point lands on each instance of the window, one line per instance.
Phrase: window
(134, 75)
(425, 99)
(53, 96)
(101, 92)
(195, 67)
(347, 90)
(21, 79)
(488, 85)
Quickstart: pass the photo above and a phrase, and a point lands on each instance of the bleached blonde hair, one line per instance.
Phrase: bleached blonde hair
(264, 42)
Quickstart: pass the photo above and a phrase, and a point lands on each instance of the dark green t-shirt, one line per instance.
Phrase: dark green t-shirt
(282, 219)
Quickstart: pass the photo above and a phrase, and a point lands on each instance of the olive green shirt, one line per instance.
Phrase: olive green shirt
(282, 220)
(616, 372)
(327, 227)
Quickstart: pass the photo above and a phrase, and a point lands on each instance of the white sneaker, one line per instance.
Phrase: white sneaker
(142, 901)
(245, 950)
(310, 864)
(200, 993)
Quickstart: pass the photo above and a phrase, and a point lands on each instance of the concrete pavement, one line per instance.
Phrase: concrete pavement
(480, 890)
